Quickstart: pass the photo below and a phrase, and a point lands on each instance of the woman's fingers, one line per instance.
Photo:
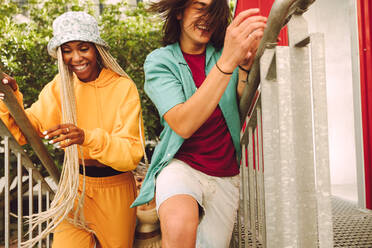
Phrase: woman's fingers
(55, 131)
(64, 135)
(65, 140)
(7, 80)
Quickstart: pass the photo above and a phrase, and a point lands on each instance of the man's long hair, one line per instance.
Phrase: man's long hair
(217, 15)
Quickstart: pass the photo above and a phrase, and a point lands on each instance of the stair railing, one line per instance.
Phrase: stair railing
(20, 175)
(285, 189)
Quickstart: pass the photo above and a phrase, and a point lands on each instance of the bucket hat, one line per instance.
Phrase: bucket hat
(73, 26)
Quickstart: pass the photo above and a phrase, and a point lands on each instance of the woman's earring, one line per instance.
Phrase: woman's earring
(99, 63)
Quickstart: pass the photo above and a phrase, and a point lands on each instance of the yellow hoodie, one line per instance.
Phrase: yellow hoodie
(108, 110)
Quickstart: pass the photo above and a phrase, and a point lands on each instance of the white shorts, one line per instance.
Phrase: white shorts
(217, 196)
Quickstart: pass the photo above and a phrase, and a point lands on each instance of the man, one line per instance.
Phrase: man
(193, 82)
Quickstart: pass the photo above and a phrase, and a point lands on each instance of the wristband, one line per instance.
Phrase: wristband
(243, 69)
(226, 73)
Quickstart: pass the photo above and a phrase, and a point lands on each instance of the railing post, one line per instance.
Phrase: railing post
(245, 193)
(252, 188)
(321, 140)
(6, 191)
(20, 199)
(47, 208)
(30, 201)
(260, 180)
(39, 200)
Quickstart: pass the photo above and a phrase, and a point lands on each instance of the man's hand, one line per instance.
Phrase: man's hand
(242, 39)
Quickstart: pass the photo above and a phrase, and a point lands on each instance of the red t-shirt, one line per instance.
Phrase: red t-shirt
(210, 149)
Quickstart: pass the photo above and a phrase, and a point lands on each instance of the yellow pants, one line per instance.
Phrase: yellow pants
(107, 213)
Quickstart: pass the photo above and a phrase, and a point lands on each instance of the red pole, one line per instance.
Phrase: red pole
(365, 57)
(265, 7)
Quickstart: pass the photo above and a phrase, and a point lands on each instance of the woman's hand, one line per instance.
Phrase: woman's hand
(242, 39)
(65, 135)
(8, 80)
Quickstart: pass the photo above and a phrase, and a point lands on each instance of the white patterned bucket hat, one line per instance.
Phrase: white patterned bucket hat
(73, 26)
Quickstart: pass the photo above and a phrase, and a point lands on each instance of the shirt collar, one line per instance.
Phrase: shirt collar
(179, 56)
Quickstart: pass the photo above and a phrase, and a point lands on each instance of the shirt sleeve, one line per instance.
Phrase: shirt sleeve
(122, 149)
(162, 85)
(43, 109)
(10, 122)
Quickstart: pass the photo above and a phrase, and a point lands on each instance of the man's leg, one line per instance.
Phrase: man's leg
(178, 199)
(221, 202)
(179, 218)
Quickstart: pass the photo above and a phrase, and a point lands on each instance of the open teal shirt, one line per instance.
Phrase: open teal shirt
(168, 82)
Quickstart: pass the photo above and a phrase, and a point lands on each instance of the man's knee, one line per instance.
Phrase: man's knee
(178, 232)
(179, 224)
(179, 218)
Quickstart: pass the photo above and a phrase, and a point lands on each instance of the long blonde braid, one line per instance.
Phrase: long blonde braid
(64, 199)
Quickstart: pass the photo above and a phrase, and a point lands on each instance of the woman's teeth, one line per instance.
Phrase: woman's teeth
(80, 67)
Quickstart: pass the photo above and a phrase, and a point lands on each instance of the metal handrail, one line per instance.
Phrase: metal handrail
(29, 131)
(16, 148)
(280, 14)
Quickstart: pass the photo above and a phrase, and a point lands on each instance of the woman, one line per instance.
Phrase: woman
(193, 82)
(99, 111)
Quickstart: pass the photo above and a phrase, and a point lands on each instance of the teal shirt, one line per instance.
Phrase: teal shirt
(168, 82)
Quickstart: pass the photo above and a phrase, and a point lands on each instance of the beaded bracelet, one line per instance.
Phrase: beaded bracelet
(226, 73)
